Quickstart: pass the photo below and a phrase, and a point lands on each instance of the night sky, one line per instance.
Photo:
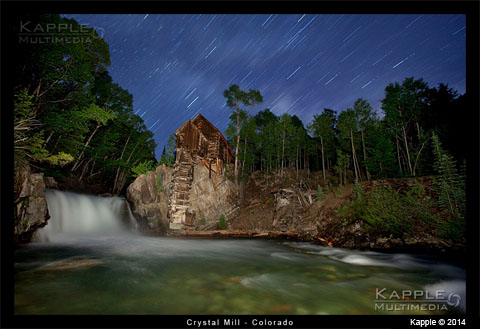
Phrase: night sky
(179, 65)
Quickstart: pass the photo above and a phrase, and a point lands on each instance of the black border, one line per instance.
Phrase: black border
(9, 9)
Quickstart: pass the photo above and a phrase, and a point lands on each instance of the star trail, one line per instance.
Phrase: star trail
(177, 66)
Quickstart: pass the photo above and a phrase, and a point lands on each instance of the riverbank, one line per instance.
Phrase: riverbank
(381, 245)
(398, 214)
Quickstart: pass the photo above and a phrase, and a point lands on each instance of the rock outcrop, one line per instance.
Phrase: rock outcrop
(212, 197)
(209, 199)
(30, 205)
(148, 198)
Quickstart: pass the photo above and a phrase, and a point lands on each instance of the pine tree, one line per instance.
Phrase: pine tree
(451, 184)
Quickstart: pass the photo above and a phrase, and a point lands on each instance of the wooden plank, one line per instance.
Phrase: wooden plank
(303, 202)
(210, 169)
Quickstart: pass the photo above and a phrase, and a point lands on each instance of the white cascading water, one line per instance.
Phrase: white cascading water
(73, 214)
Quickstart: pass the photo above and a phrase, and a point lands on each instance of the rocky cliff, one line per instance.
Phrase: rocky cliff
(212, 197)
(30, 205)
(209, 199)
(148, 198)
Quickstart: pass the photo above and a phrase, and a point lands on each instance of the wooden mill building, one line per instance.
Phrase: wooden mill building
(197, 140)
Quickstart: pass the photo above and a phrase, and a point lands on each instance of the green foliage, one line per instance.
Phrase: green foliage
(343, 161)
(451, 185)
(388, 212)
(143, 168)
(403, 106)
(202, 221)
(235, 97)
(70, 115)
(222, 223)
(320, 193)
(168, 157)
(358, 190)
(23, 107)
(417, 191)
(452, 229)
(323, 126)
(61, 159)
(159, 184)
(29, 141)
(381, 152)
(96, 114)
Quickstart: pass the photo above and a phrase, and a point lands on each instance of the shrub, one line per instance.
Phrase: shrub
(320, 193)
(202, 221)
(357, 190)
(143, 168)
(386, 211)
(452, 229)
(222, 223)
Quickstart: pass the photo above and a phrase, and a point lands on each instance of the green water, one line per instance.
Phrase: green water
(144, 275)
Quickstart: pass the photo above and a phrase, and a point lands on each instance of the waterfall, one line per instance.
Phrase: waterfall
(73, 214)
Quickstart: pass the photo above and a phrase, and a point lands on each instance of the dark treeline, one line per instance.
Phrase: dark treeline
(396, 143)
(74, 123)
(71, 120)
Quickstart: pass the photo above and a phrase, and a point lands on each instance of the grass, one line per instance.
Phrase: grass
(222, 223)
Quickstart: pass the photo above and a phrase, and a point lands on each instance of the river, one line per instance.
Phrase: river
(83, 262)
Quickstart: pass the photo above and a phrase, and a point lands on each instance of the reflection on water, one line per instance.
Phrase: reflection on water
(131, 274)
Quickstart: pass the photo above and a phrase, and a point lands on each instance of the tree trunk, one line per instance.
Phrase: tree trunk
(261, 161)
(118, 168)
(406, 149)
(296, 161)
(244, 153)
(323, 159)
(416, 159)
(85, 146)
(283, 151)
(305, 164)
(360, 175)
(48, 138)
(238, 145)
(398, 155)
(365, 155)
(84, 170)
(56, 144)
(353, 156)
(123, 174)
(93, 166)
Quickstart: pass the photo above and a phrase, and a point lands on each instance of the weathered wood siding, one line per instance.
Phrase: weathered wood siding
(201, 138)
(191, 140)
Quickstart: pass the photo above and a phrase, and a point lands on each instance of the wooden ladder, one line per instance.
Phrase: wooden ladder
(180, 192)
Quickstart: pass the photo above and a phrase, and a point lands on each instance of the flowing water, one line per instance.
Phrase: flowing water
(89, 260)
